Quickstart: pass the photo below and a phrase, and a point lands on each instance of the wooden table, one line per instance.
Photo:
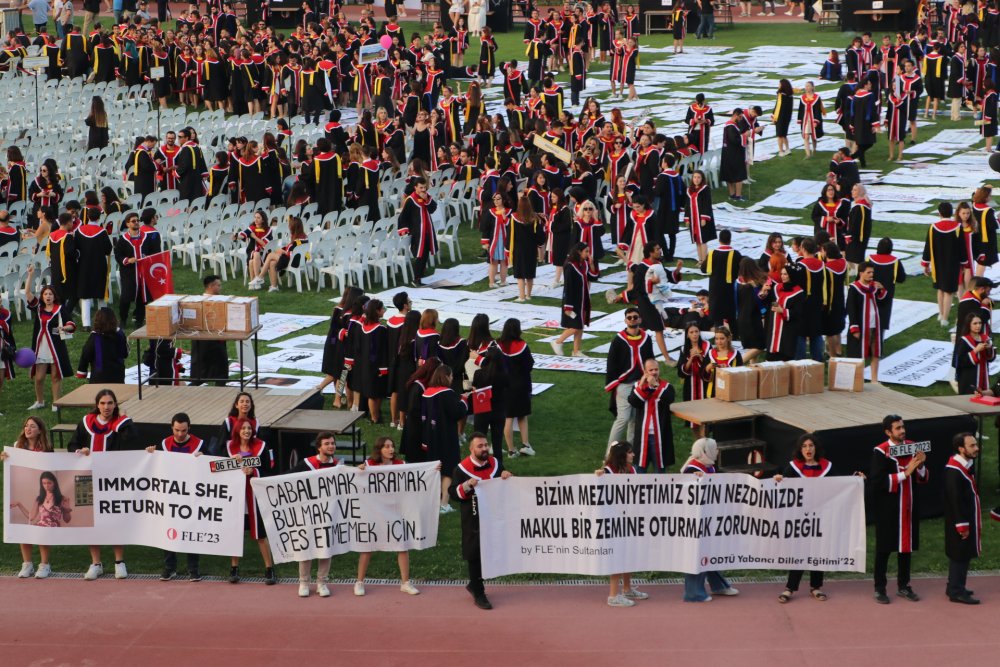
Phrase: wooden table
(711, 411)
(142, 334)
(314, 421)
(85, 395)
(649, 24)
(208, 406)
(963, 403)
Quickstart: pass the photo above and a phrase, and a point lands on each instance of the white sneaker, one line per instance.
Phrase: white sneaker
(409, 588)
(303, 589)
(120, 571)
(27, 569)
(37, 405)
(55, 408)
(322, 589)
(526, 450)
(359, 588)
(44, 570)
(447, 509)
(636, 594)
(579, 355)
(620, 601)
(399, 426)
(557, 348)
(94, 571)
(727, 592)
(272, 288)
(611, 296)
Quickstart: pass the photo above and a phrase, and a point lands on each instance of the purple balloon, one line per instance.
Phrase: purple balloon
(24, 357)
(385, 41)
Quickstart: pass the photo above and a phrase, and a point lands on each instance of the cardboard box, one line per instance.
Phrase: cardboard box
(807, 377)
(215, 313)
(774, 378)
(736, 384)
(193, 312)
(241, 314)
(163, 316)
(847, 374)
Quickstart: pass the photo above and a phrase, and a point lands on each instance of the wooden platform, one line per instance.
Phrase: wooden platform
(208, 406)
(829, 410)
(84, 396)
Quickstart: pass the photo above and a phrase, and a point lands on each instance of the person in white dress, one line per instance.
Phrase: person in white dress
(457, 9)
(477, 16)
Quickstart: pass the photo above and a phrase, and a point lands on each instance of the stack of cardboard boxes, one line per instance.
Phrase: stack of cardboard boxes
(210, 314)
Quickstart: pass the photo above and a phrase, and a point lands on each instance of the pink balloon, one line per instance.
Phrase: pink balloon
(385, 41)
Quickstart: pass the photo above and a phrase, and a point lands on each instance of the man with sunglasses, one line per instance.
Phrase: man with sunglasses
(629, 351)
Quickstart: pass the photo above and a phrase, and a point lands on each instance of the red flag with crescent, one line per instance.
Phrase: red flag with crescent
(157, 273)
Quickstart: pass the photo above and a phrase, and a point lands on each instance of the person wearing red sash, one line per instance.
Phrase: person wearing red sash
(493, 228)
(326, 447)
(476, 467)
(654, 437)
(578, 271)
(101, 430)
(245, 444)
(698, 213)
(383, 454)
(619, 461)
(830, 214)
(783, 321)
(963, 517)
(894, 468)
(866, 332)
(973, 353)
(442, 408)
(415, 222)
(51, 323)
(810, 116)
(691, 364)
(180, 441)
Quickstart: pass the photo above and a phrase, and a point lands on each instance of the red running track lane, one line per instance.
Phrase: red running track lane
(151, 623)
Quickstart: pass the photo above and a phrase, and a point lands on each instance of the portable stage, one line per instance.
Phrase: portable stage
(848, 425)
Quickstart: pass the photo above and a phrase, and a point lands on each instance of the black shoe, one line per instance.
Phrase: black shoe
(234, 574)
(194, 575)
(269, 577)
(168, 574)
(881, 597)
(907, 593)
(479, 597)
(964, 598)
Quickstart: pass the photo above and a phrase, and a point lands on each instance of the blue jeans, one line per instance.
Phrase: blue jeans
(816, 348)
(706, 27)
(694, 585)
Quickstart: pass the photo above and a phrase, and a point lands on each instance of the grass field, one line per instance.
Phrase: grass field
(570, 422)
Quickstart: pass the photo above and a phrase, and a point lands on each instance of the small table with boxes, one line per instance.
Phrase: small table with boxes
(202, 318)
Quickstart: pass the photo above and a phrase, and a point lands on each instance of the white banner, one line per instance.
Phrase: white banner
(585, 524)
(165, 500)
(324, 513)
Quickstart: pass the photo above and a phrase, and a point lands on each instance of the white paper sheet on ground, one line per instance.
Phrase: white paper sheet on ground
(922, 194)
(902, 207)
(276, 325)
(794, 200)
(910, 218)
(538, 387)
(291, 385)
(920, 364)
(905, 314)
(303, 342)
(940, 175)
(548, 362)
(935, 148)
(458, 275)
(965, 136)
(299, 359)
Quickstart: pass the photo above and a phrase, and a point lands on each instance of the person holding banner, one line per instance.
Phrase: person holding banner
(180, 441)
(383, 454)
(619, 461)
(101, 430)
(246, 444)
(326, 447)
(242, 409)
(895, 464)
(34, 437)
(478, 466)
(704, 452)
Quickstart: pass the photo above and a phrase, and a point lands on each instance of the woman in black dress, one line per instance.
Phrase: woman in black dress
(835, 317)
(412, 438)
(579, 270)
(442, 409)
(784, 318)
(333, 348)
(97, 122)
(517, 363)
(526, 233)
(405, 366)
(830, 214)
(371, 362)
(454, 352)
(752, 286)
(782, 115)
(698, 213)
(558, 230)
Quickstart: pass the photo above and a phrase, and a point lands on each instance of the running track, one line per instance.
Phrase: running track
(70, 622)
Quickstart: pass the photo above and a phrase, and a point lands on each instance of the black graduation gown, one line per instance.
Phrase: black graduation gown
(412, 435)
(326, 179)
(43, 332)
(749, 316)
(576, 294)
(863, 118)
(733, 165)
(141, 170)
(836, 313)
(971, 368)
(811, 275)
(441, 409)
(698, 213)
(721, 265)
(454, 357)
(518, 362)
(115, 436)
(652, 416)
(943, 256)
(103, 356)
(468, 503)
(415, 219)
(893, 503)
(889, 271)
(191, 168)
(783, 329)
(560, 226)
(524, 242)
(62, 254)
(371, 364)
(783, 114)
(669, 192)
(333, 348)
(961, 509)
(95, 246)
(859, 229)
(984, 244)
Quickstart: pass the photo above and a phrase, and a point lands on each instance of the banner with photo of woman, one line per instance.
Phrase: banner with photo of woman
(165, 500)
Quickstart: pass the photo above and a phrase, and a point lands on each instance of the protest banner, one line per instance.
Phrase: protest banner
(327, 512)
(165, 500)
(585, 524)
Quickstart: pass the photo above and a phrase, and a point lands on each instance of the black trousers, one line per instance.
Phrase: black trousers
(795, 577)
(127, 298)
(958, 571)
(882, 568)
(476, 574)
(419, 266)
(170, 561)
(494, 425)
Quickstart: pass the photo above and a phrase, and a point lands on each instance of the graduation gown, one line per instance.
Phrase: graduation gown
(626, 357)
(191, 169)
(863, 316)
(44, 333)
(523, 247)
(518, 362)
(103, 357)
(984, 244)
(97, 436)
(94, 246)
(258, 447)
(836, 313)
(859, 231)
(652, 423)
(832, 217)
(784, 328)
(721, 265)
(412, 436)
(61, 251)
(894, 501)
(962, 512)
(749, 316)
(694, 385)
(972, 368)
(141, 170)
(441, 408)
(810, 274)
(889, 272)
(698, 213)
(576, 294)
(415, 221)
(371, 360)
(733, 165)
(468, 502)
(942, 254)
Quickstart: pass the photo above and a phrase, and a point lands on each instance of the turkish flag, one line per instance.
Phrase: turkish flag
(157, 273)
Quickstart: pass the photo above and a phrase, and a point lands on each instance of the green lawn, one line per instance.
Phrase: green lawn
(570, 422)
